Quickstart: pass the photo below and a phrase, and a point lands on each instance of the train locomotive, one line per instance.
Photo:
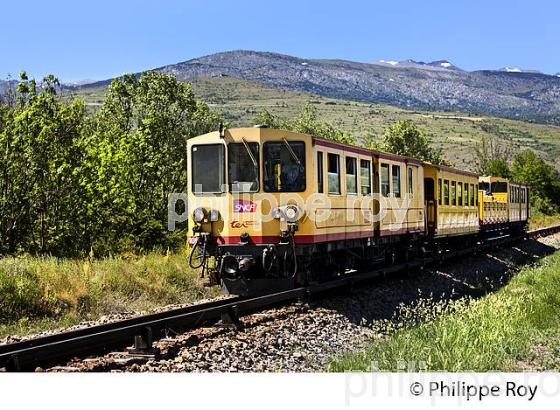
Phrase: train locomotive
(272, 209)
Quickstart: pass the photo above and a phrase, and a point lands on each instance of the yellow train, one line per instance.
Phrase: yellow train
(272, 209)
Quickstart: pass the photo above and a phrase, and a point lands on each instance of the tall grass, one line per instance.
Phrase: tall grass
(38, 292)
(492, 333)
(539, 220)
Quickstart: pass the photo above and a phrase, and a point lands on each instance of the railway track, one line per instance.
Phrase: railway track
(143, 330)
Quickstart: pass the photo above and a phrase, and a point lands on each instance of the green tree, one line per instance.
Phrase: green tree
(542, 179)
(267, 119)
(497, 168)
(40, 196)
(490, 156)
(307, 122)
(138, 156)
(405, 138)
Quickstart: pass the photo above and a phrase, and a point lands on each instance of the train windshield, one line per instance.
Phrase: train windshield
(208, 168)
(284, 166)
(243, 166)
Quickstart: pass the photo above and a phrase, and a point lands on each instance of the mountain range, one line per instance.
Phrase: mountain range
(435, 86)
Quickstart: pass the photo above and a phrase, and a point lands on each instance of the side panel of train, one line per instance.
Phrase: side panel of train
(518, 203)
(503, 205)
(401, 190)
(452, 203)
(343, 181)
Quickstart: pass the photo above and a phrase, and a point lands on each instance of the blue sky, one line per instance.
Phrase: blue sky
(100, 39)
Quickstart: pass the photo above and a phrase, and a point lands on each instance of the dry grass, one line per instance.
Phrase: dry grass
(39, 292)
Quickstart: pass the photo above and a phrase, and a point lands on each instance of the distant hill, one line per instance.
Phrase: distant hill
(435, 86)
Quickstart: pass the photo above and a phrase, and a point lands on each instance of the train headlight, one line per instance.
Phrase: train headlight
(277, 213)
(289, 213)
(199, 215)
(214, 215)
(292, 213)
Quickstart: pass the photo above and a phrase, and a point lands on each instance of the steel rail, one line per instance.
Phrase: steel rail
(143, 330)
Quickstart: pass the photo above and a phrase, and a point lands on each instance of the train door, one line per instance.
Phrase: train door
(430, 205)
(415, 198)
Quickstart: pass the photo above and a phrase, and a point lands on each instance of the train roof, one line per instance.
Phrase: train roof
(490, 179)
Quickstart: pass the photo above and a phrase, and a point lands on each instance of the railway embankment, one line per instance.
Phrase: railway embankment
(515, 328)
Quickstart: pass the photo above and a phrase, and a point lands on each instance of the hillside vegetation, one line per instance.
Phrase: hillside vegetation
(240, 101)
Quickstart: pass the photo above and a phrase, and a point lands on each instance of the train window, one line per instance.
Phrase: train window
(284, 166)
(410, 181)
(485, 186)
(320, 181)
(243, 167)
(460, 193)
(385, 189)
(365, 177)
(472, 194)
(440, 191)
(351, 176)
(446, 192)
(208, 172)
(466, 195)
(396, 173)
(499, 187)
(333, 173)
(453, 193)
